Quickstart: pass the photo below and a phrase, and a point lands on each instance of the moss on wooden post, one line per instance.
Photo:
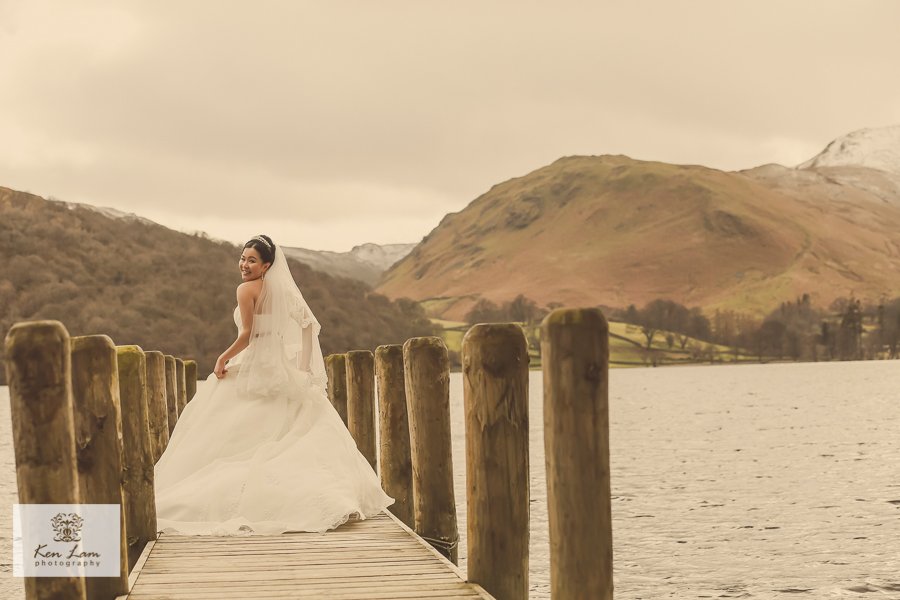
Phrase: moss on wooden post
(137, 482)
(190, 378)
(426, 370)
(171, 392)
(394, 460)
(361, 402)
(97, 416)
(495, 392)
(575, 361)
(157, 408)
(180, 384)
(336, 367)
(39, 376)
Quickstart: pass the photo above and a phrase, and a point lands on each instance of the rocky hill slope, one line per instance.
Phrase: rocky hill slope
(610, 230)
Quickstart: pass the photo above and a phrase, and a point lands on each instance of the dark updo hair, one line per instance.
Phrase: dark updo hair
(265, 248)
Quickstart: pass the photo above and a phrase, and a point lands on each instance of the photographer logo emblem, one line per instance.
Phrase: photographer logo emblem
(66, 540)
(67, 527)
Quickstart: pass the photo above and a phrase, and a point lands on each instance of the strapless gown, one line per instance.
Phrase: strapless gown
(237, 465)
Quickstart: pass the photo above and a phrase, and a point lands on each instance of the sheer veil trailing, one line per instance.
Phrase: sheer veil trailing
(284, 337)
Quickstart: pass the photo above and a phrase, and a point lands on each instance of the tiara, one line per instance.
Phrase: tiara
(260, 238)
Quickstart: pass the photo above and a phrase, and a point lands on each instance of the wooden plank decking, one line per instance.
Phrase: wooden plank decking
(376, 558)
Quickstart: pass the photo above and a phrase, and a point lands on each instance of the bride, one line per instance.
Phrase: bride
(260, 449)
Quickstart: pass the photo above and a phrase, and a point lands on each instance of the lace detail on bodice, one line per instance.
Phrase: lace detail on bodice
(299, 314)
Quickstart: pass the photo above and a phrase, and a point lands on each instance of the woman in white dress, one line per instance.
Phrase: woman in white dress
(260, 449)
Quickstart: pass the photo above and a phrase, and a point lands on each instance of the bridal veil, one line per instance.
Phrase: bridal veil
(284, 336)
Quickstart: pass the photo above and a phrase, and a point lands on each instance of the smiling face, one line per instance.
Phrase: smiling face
(251, 265)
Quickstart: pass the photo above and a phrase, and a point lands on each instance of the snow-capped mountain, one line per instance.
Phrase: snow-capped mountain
(877, 148)
(381, 256)
(365, 262)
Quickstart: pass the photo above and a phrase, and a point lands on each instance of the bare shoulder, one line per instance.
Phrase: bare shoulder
(249, 290)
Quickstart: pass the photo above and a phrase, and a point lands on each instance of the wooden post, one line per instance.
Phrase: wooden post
(426, 370)
(361, 402)
(171, 392)
(137, 482)
(180, 385)
(395, 463)
(157, 408)
(336, 367)
(190, 378)
(495, 392)
(98, 442)
(38, 372)
(575, 360)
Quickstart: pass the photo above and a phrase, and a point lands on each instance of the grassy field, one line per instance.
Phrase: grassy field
(627, 346)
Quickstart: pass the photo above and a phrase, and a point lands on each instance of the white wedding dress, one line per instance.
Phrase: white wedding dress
(263, 463)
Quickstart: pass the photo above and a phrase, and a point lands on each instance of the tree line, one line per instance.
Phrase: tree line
(848, 329)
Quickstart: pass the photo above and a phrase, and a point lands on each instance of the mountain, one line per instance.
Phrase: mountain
(142, 283)
(106, 211)
(867, 159)
(365, 262)
(610, 230)
(877, 149)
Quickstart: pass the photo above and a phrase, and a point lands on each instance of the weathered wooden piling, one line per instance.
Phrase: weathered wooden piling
(495, 393)
(575, 362)
(394, 460)
(361, 402)
(157, 407)
(137, 481)
(426, 370)
(413, 383)
(336, 368)
(171, 392)
(38, 372)
(180, 384)
(190, 378)
(99, 442)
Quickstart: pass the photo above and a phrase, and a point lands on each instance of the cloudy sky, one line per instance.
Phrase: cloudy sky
(328, 124)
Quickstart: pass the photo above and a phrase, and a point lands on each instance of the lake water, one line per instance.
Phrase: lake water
(751, 481)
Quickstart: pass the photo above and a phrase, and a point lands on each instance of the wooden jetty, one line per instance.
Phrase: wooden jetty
(376, 558)
(64, 390)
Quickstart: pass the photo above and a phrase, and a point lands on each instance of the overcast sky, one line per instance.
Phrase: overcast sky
(328, 124)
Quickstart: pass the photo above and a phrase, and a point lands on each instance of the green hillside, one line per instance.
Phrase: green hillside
(627, 346)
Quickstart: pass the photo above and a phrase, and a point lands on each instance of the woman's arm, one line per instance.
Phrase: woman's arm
(246, 298)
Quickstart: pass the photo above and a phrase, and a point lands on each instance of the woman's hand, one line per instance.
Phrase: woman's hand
(220, 369)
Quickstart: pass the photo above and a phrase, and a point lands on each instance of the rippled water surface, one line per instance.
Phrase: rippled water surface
(752, 481)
